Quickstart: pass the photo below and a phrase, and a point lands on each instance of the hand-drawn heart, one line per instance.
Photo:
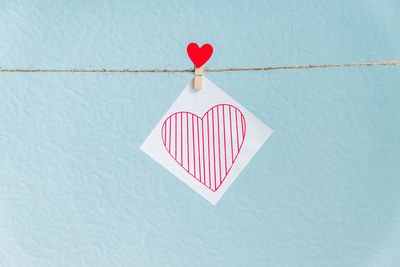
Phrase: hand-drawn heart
(199, 55)
(206, 147)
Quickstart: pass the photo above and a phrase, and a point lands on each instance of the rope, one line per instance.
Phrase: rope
(381, 63)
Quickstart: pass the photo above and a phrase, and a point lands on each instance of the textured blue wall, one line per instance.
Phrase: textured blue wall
(75, 190)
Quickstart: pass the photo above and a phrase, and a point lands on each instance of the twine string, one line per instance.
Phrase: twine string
(380, 63)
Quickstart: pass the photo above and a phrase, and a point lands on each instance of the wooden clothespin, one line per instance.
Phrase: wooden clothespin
(198, 78)
(199, 56)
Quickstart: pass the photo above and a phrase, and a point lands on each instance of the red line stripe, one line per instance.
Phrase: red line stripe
(181, 140)
(176, 137)
(162, 133)
(230, 119)
(223, 114)
(198, 147)
(169, 149)
(215, 171)
(204, 163)
(209, 161)
(194, 148)
(219, 146)
(241, 123)
(243, 130)
(237, 130)
(187, 129)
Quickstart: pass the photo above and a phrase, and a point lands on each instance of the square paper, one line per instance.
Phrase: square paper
(206, 139)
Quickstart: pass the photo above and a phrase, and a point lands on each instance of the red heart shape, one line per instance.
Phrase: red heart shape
(206, 147)
(199, 55)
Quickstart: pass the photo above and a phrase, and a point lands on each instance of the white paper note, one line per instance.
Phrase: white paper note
(206, 139)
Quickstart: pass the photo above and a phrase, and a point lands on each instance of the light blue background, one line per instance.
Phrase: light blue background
(75, 190)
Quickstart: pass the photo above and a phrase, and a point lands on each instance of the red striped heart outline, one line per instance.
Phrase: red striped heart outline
(191, 134)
